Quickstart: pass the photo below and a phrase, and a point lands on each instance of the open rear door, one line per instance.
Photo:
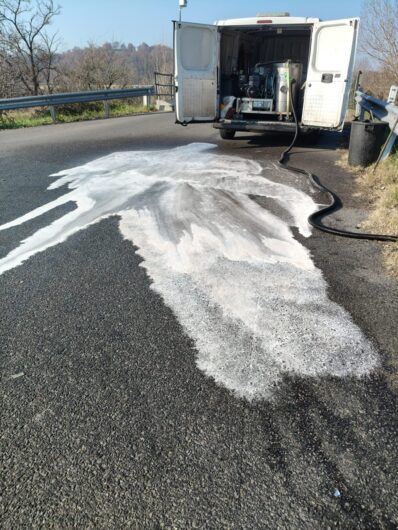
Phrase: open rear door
(196, 49)
(330, 72)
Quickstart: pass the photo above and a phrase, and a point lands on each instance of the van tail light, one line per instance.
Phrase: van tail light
(230, 113)
(264, 21)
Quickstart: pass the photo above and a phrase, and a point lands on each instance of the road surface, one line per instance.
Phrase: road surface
(108, 421)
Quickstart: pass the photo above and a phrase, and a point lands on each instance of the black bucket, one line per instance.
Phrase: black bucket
(366, 141)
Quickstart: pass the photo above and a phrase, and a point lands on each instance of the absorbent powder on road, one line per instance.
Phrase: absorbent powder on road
(231, 270)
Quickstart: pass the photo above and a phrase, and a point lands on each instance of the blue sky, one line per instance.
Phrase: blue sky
(148, 21)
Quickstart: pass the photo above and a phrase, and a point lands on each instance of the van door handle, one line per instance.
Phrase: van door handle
(327, 78)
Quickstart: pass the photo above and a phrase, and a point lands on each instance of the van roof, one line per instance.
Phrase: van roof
(267, 19)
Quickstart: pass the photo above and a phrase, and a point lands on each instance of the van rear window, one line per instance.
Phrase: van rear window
(196, 48)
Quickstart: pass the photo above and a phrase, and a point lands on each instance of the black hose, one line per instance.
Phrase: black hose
(315, 219)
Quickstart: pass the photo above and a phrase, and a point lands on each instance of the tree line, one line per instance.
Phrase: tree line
(31, 63)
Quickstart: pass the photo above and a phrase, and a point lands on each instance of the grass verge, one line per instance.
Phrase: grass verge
(380, 190)
(33, 117)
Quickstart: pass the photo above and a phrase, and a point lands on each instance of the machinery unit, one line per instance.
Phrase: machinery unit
(288, 85)
(268, 90)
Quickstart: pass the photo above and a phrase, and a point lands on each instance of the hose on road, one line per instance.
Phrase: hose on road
(335, 203)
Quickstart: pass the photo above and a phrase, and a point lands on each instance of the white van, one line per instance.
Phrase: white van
(250, 74)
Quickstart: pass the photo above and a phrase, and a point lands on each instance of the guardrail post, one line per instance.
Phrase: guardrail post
(358, 110)
(53, 113)
(388, 147)
(392, 96)
(147, 101)
(106, 108)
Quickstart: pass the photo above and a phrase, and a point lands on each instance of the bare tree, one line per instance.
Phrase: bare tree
(379, 35)
(7, 80)
(375, 79)
(162, 59)
(25, 45)
(95, 68)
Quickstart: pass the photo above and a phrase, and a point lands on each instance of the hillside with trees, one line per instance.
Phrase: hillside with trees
(31, 62)
(110, 65)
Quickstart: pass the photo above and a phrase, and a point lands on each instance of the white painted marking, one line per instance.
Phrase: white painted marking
(17, 376)
(240, 284)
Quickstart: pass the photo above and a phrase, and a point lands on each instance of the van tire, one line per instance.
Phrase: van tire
(227, 134)
(310, 137)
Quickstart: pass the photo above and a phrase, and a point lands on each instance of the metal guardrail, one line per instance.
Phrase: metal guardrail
(75, 97)
(385, 111)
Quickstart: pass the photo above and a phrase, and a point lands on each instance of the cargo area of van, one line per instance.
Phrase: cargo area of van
(263, 71)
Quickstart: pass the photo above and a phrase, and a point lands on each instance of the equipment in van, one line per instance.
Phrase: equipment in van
(266, 89)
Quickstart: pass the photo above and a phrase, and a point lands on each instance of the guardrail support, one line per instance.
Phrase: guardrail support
(388, 147)
(147, 101)
(106, 109)
(53, 113)
(392, 96)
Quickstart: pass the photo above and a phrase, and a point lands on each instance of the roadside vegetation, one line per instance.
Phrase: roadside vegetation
(33, 117)
(379, 188)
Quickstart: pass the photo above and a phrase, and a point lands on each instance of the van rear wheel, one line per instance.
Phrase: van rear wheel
(227, 134)
(310, 136)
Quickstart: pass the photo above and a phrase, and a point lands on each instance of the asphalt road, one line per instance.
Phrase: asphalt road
(106, 421)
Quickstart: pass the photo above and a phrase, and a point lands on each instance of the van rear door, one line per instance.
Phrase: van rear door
(196, 56)
(330, 72)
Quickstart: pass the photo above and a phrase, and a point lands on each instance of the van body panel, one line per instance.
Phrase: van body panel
(266, 19)
(196, 48)
(255, 126)
(329, 73)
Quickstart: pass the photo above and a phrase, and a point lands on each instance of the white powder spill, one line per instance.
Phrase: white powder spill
(242, 287)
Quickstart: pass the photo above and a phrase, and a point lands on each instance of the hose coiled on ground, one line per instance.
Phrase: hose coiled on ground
(315, 219)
